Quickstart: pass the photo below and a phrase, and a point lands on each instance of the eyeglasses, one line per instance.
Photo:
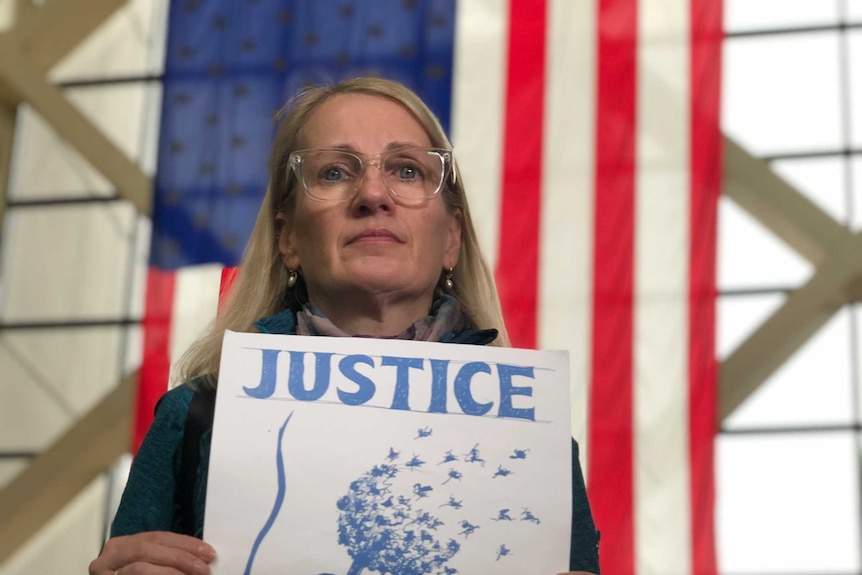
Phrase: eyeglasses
(411, 173)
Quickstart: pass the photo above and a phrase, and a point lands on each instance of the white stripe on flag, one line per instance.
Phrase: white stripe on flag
(661, 446)
(477, 112)
(194, 307)
(565, 270)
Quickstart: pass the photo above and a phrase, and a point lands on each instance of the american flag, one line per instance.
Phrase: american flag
(587, 135)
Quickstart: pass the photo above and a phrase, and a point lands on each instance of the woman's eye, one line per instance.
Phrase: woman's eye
(408, 172)
(332, 174)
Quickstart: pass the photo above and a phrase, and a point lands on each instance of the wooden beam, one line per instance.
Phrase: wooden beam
(800, 223)
(45, 34)
(815, 235)
(804, 312)
(57, 475)
(27, 83)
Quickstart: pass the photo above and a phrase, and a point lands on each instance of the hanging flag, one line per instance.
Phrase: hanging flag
(587, 135)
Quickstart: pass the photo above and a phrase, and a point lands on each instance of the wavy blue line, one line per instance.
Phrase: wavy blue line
(279, 499)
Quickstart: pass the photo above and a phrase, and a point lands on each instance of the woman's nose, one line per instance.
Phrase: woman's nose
(373, 190)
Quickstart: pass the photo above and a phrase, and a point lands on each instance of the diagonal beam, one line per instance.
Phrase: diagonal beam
(752, 184)
(59, 473)
(23, 81)
(47, 33)
(804, 312)
(815, 235)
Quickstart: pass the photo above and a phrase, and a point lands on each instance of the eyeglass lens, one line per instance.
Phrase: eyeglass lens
(410, 173)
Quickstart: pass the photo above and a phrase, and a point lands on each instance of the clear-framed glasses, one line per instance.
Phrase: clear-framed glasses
(411, 173)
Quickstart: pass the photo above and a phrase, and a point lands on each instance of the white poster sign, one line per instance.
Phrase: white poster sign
(344, 456)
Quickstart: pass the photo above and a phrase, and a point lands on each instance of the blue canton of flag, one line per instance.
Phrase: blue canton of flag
(230, 68)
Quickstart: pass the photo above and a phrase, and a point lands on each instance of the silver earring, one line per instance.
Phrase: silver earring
(291, 277)
(449, 283)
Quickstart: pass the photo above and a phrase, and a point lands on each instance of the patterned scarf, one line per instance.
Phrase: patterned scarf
(446, 316)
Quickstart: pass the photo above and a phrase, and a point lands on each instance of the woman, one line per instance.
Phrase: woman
(365, 230)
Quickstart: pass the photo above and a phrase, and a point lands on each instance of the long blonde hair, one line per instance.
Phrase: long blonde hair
(260, 288)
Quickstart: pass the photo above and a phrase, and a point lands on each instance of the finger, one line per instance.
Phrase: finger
(156, 554)
(148, 569)
(162, 549)
(184, 542)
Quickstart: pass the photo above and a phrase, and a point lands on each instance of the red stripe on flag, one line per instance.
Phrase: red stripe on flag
(611, 412)
(517, 270)
(156, 363)
(228, 276)
(706, 170)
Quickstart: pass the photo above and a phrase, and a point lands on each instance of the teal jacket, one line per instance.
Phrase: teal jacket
(150, 501)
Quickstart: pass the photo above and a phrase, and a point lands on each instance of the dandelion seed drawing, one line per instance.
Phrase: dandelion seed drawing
(421, 490)
(503, 551)
(449, 571)
(448, 457)
(502, 515)
(414, 463)
(519, 454)
(393, 455)
(453, 503)
(501, 472)
(423, 432)
(473, 456)
(468, 527)
(527, 515)
(453, 474)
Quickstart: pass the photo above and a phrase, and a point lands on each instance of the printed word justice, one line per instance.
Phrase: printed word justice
(363, 387)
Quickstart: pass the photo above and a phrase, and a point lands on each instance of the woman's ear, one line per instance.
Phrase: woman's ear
(453, 240)
(285, 239)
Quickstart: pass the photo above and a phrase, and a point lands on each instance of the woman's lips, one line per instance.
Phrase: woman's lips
(375, 235)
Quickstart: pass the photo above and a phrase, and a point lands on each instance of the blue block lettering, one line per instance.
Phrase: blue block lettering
(401, 399)
(439, 369)
(347, 367)
(507, 390)
(296, 380)
(462, 388)
(268, 371)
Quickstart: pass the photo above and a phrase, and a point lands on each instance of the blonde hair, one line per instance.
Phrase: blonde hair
(260, 288)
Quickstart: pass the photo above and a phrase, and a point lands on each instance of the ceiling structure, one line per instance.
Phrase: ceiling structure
(42, 34)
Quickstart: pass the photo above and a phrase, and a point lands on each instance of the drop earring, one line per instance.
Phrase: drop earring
(449, 283)
(291, 278)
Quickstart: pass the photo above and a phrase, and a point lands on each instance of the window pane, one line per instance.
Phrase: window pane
(821, 180)
(126, 113)
(857, 316)
(739, 316)
(854, 45)
(813, 387)
(67, 262)
(856, 163)
(751, 256)
(781, 92)
(73, 536)
(787, 504)
(84, 364)
(130, 42)
(764, 14)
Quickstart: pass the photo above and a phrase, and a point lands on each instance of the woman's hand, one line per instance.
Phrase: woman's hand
(154, 553)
